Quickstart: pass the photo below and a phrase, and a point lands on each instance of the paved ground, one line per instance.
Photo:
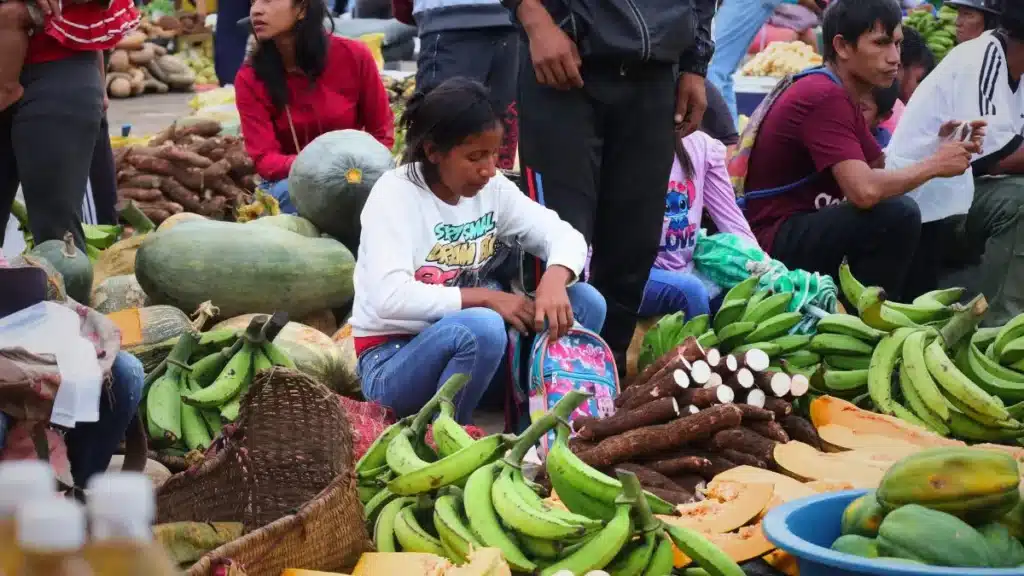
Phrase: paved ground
(147, 114)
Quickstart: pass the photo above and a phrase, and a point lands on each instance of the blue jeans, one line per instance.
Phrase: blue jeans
(669, 292)
(92, 444)
(279, 190)
(736, 25)
(404, 374)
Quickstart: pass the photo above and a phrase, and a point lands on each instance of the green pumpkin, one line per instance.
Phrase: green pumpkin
(937, 538)
(856, 545)
(863, 516)
(74, 266)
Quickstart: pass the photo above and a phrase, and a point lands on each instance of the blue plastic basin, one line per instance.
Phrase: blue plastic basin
(807, 527)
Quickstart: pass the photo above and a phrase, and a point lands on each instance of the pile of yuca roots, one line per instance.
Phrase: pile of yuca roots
(137, 67)
(188, 167)
(471, 494)
(694, 414)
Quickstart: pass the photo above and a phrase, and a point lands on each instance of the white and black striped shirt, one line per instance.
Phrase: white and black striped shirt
(971, 83)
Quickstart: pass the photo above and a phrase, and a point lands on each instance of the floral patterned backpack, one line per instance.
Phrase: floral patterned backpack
(580, 360)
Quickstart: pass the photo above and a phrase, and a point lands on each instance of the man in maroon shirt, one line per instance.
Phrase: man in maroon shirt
(846, 204)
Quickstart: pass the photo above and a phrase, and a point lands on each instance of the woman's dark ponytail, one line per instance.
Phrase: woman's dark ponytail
(684, 158)
(443, 118)
(310, 53)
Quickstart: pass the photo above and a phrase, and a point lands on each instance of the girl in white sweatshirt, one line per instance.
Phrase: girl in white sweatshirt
(434, 232)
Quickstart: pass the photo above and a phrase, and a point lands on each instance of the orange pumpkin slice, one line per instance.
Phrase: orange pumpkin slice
(803, 462)
(745, 544)
(829, 410)
(784, 488)
(783, 562)
(823, 486)
(726, 507)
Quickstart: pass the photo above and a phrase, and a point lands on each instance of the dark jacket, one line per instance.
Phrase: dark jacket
(639, 30)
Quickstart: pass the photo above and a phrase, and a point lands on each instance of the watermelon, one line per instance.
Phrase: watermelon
(331, 179)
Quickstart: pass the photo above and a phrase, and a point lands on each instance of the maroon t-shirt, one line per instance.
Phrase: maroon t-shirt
(813, 126)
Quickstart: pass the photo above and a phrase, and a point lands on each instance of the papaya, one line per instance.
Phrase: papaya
(978, 486)
(1006, 551)
(863, 516)
(932, 537)
(1014, 520)
(856, 545)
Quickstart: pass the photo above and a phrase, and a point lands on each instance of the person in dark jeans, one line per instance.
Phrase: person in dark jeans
(601, 102)
(473, 39)
(229, 39)
(817, 190)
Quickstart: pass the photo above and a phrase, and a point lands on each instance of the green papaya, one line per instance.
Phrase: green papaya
(1006, 551)
(932, 537)
(979, 486)
(863, 516)
(856, 545)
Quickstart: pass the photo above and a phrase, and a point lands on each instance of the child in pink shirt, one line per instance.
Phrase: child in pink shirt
(699, 179)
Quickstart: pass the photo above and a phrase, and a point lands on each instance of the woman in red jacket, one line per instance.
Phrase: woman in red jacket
(301, 82)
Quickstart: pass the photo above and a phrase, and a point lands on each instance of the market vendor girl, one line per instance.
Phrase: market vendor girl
(301, 82)
(699, 179)
(434, 231)
(81, 25)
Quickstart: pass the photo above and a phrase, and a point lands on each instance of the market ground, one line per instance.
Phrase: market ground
(147, 114)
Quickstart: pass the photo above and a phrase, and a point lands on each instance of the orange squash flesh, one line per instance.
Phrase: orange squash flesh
(823, 486)
(745, 544)
(727, 506)
(829, 410)
(785, 488)
(783, 562)
(803, 462)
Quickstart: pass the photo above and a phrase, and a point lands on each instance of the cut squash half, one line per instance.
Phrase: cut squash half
(825, 486)
(745, 544)
(784, 488)
(804, 463)
(829, 410)
(726, 507)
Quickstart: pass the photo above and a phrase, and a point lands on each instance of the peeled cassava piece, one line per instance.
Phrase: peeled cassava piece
(243, 272)
(313, 352)
(332, 177)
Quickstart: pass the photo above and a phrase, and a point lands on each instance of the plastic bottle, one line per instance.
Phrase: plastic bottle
(121, 510)
(20, 481)
(51, 533)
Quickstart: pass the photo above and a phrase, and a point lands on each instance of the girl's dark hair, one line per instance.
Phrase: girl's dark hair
(444, 117)
(684, 158)
(885, 98)
(310, 53)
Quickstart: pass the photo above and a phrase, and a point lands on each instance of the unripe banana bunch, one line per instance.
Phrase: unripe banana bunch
(186, 405)
(949, 375)
(760, 319)
(938, 31)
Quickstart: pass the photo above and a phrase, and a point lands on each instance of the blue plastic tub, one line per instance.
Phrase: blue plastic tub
(807, 527)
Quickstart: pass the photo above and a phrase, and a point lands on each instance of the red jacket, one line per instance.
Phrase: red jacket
(348, 95)
(403, 11)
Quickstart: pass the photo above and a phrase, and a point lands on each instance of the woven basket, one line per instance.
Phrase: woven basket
(291, 441)
(326, 534)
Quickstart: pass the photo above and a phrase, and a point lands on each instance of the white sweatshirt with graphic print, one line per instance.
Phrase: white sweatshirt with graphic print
(413, 248)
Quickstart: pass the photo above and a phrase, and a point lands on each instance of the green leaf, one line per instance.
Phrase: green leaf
(665, 335)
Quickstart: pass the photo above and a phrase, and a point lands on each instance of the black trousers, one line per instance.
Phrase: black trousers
(934, 255)
(487, 55)
(600, 157)
(103, 177)
(880, 243)
(46, 143)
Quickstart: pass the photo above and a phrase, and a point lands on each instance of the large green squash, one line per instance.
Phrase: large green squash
(918, 533)
(74, 266)
(55, 291)
(970, 483)
(242, 271)
(332, 177)
(289, 222)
